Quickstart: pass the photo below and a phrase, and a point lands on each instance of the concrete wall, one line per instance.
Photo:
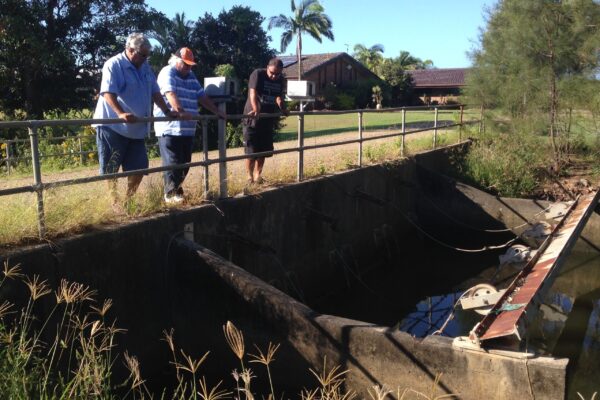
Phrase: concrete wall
(291, 242)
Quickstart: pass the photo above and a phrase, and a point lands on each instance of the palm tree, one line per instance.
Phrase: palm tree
(371, 57)
(308, 17)
(409, 62)
(171, 34)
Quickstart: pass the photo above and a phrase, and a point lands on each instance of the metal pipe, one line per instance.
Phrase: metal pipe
(222, 124)
(462, 109)
(360, 138)
(37, 176)
(205, 153)
(435, 122)
(403, 132)
(8, 157)
(300, 172)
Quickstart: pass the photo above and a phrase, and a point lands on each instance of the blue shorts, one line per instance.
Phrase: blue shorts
(115, 150)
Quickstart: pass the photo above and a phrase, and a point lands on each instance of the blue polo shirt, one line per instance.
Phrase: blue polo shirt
(133, 88)
(188, 90)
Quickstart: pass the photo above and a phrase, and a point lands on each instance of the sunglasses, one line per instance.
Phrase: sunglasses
(139, 53)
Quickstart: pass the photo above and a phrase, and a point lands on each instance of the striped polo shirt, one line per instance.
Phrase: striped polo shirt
(188, 91)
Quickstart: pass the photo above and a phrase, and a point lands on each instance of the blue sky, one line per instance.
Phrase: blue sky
(439, 30)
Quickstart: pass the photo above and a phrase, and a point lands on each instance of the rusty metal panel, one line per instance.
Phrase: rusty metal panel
(509, 315)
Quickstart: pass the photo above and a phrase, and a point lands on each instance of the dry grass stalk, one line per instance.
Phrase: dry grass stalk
(5, 308)
(37, 288)
(267, 358)
(73, 292)
(377, 392)
(191, 365)
(133, 365)
(11, 272)
(583, 398)
(214, 393)
(235, 339)
(101, 311)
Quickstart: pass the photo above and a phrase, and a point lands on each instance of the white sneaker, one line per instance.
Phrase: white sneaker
(175, 199)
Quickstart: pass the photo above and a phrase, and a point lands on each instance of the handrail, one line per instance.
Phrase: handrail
(39, 186)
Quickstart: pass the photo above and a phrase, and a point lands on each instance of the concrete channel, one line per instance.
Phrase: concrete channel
(291, 265)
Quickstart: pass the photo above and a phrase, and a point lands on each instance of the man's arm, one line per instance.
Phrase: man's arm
(254, 102)
(160, 102)
(111, 99)
(207, 103)
(281, 104)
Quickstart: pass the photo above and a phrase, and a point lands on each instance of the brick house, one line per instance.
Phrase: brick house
(437, 86)
(323, 69)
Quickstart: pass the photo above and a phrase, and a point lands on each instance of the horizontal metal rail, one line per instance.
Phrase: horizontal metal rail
(39, 186)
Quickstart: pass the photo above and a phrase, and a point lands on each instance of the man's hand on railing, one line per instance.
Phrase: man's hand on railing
(127, 117)
(285, 112)
(184, 115)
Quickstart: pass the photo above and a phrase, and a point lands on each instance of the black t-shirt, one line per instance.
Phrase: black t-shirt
(267, 90)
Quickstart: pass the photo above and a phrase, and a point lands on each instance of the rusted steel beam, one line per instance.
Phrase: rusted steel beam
(521, 301)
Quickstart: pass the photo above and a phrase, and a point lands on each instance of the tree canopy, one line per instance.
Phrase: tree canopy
(530, 53)
(51, 50)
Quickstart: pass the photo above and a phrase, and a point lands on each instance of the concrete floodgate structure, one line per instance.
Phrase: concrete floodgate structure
(291, 265)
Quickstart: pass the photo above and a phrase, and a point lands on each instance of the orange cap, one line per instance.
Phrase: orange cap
(186, 55)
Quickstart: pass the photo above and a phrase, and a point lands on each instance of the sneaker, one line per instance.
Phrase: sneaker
(175, 199)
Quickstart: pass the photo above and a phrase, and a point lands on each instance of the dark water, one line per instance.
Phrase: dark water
(568, 325)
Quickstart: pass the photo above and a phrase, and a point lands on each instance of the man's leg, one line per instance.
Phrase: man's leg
(133, 182)
(110, 150)
(135, 158)
(258, 170)
(168, 157)
(250, 163)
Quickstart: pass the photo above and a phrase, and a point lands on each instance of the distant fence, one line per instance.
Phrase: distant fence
(39, 186)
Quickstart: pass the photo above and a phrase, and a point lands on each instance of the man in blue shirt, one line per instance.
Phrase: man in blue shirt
(182, 92)
(127, 91)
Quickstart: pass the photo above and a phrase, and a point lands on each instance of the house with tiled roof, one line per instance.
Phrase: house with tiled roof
(323, 69)
(437, 86)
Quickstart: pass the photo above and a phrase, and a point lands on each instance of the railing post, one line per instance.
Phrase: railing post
(481, 120)
(360, 138)
(204, 123)
(37, 176)
(80, 151)
(460, 128)
(435, 122)
(8, 157)
(222, 153)
(403, 132)
(300, 172)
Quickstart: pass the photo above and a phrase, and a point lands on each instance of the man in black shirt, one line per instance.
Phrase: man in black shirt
(265, 95)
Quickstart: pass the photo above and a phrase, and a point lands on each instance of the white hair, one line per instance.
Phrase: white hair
(173, 60)
(137, 41)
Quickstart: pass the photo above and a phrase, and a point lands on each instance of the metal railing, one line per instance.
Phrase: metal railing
(39, 186)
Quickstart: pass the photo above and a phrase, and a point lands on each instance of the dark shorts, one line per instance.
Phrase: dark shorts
(259, 138)
(115, 150)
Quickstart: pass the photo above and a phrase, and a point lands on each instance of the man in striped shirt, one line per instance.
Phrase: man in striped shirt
(182, 93)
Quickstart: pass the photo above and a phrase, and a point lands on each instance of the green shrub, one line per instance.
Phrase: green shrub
(506, 164)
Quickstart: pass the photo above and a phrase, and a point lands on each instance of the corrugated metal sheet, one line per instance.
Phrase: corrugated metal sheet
(520, 301)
